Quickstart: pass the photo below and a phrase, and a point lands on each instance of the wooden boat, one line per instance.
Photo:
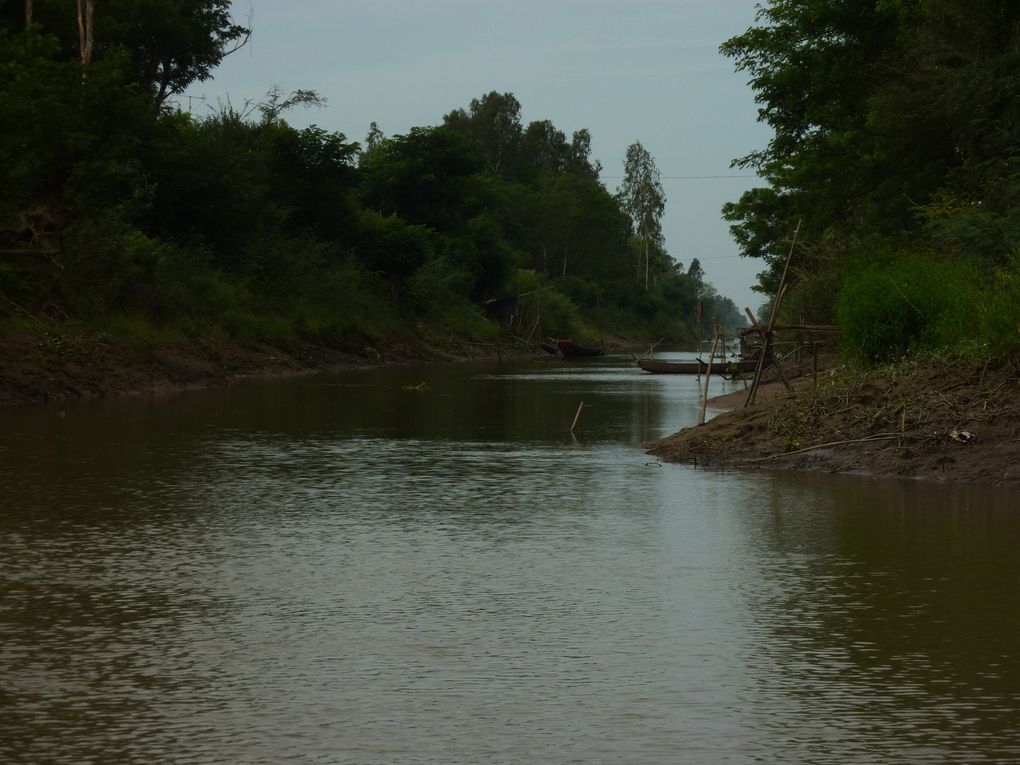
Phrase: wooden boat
(552, 350)
(698, 367)
(569, 348)
(657, 367)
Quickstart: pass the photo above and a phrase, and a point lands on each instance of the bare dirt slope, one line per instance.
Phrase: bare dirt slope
(37, 367)
(933, 421)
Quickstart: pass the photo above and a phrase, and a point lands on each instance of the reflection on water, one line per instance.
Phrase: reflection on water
(336, 569)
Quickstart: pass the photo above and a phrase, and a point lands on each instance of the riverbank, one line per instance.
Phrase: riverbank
(44, 366)
(936, 421)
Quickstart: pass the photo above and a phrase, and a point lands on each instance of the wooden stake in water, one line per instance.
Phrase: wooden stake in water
(577, 417)
(708, 377)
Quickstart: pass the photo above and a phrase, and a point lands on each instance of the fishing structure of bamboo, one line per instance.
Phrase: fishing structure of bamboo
(767, 340)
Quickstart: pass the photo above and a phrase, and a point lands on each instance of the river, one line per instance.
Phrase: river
(422, 565)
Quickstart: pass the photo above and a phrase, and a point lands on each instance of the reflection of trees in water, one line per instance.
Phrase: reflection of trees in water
(889, 615)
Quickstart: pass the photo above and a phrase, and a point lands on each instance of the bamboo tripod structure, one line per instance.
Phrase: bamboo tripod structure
(752, 394)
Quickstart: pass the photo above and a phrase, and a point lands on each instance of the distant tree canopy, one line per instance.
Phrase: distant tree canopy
(514, 151)
(167, 44)
(115, 204)
(896, 128)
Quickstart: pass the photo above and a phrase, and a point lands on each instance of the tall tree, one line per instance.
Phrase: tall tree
(543, 147)
(893, 120)
(642, 198)
(494, 120)
(579, 159)
(696, 273)
(375, 136)
(168, 44)
(813, 65)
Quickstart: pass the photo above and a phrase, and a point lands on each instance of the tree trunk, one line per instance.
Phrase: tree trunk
(646, 265)
(85, 30)
(81, 31)
(28, 14)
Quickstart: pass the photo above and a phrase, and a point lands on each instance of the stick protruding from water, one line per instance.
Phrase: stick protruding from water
(577, 417)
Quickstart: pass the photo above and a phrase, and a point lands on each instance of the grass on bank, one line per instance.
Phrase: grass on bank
(894, 305)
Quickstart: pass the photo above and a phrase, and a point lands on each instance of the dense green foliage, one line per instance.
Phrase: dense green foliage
(896, 129)
(122, 212)
(892, 305)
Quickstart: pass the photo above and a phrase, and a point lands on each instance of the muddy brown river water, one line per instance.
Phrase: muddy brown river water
(342, 569)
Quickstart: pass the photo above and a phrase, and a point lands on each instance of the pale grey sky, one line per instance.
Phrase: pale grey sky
(626, 70)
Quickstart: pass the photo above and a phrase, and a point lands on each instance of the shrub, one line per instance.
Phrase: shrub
(998, 312)
(898, 303)
(560, 317)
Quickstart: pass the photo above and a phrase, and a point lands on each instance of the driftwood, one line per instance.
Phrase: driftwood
(37, 235)
(34, 245)
(824, 446)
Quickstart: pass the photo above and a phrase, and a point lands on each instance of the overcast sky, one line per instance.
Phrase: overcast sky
(626, 70)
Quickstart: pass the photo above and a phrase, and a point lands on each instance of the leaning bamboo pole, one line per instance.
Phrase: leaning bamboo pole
(766, 345)
(708, 378)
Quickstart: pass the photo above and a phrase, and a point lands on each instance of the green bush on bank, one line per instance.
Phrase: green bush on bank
(560, 316)
(897, 304)
(998, 312)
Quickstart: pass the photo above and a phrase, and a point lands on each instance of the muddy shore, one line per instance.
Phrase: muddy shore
(942, 422)
(38, 368)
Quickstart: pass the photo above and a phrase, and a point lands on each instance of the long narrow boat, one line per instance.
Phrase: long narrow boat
(672, 367)
(698, 367)
(570, 348)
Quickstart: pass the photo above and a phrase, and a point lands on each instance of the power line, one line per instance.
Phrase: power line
(684, 177)
(708, 258)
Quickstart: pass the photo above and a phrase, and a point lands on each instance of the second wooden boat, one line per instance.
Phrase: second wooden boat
(570, 348)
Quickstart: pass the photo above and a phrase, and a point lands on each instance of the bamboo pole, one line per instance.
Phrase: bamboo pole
(780, 291)
(650, 353)
(814, 366)
(576, 418)
(708, 378)
(754, 321)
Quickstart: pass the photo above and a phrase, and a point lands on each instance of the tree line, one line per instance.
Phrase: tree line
(125, 213)
(896, 143)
